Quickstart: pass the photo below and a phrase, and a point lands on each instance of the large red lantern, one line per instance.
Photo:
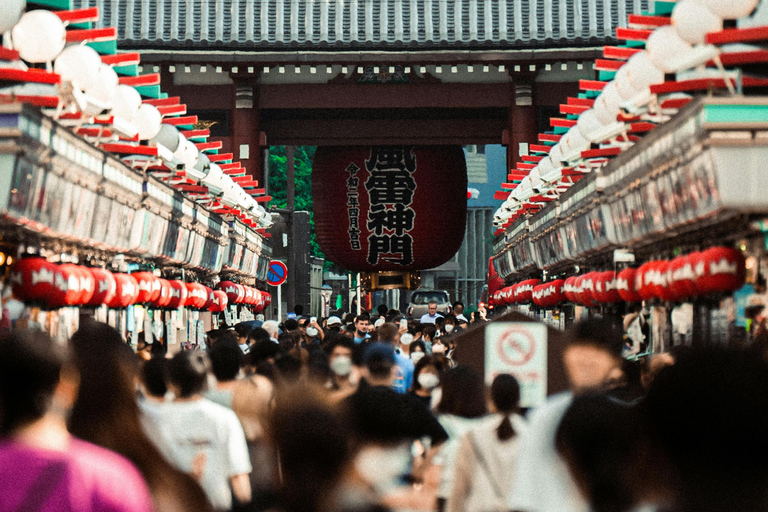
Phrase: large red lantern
(87, 285)
(164, 298)
(209, 297)
(149, 286)
(33, 279)
(524, 290)
(267, 298)
(682, 279)
(538, 296)
(569, 289)
(605, 288)
(625, 285)
(379, 208)
(231, 289)
(196, 295)
(218, 302)
(126, 291)
(644, 281)
(248, 295)
(587, 295)
(724, 271)
(178, 295)
(259, 304)
(73, 291)
(549, 294)
(104, 287)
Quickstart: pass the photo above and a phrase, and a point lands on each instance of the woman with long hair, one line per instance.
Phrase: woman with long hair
(106, 413)
(487, 457)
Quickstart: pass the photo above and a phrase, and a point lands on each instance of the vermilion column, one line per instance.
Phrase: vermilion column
(246, 136)
(523, 123)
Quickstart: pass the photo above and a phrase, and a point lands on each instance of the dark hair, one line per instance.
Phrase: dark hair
(382, 310)
(188, 371)
(417, 344)
(505, 393)
(242, 329)
(387, 332)
(226, 359)
(319, 371)
(291, 324)
(361, 317)
(333, 340)
(298, 309)
(106, 413)
(429, 330)
(154, 376)
(262, 350)
(463, 393)
(598, 333)
(600, 440)
(258, 334)
(457, 303)
(415, 327)
(288, 340)
(424, 362)
(30, 367)
(378, 362)
(288, 367)
(215, 335)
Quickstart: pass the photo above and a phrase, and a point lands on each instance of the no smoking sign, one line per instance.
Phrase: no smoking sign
(518, 348)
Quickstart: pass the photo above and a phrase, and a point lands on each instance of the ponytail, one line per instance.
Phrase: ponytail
(505, 431)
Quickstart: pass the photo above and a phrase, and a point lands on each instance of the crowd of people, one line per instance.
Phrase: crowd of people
(371, 413)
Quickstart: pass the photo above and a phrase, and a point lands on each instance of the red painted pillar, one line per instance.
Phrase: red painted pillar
(523, 122)
(247, 141)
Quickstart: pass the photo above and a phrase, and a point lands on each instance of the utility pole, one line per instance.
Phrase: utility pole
(290, 192)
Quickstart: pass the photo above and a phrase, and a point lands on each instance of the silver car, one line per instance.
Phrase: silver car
(420, 300)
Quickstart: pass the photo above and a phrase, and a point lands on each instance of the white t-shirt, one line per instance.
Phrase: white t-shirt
(543, 483)
(456, 427)
(190, 428)
(427, 319)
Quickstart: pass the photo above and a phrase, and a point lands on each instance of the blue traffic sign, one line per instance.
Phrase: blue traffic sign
(277, 273)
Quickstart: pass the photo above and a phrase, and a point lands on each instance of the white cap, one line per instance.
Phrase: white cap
(378, 323)
(333, 320)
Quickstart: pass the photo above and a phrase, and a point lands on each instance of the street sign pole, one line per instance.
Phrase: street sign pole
(279, 303)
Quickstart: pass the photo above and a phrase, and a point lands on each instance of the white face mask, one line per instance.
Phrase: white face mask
(416, 356)
(438, 349)
(428, 380)
(341, 365)
(311, 332)
(383, 467)
(406, 338)
(449, 328)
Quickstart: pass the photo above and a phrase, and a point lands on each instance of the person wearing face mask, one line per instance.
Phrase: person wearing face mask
(428, 336)
(345, 376)
(389, 333)
(426, 379)
(416, 350)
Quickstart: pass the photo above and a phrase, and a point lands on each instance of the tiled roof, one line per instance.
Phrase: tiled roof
(380, 24)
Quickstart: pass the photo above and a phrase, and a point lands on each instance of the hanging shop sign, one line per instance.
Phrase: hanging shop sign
(519, 348)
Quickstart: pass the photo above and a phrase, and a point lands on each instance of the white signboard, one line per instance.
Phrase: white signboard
(519, 348)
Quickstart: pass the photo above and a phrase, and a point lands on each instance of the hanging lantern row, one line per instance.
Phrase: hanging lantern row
(36, 281)
(713, 271)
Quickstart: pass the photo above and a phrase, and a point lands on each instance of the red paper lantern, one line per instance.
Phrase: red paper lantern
(682, 279)
(538, 296)
(555, 290)
(231, 289)
(149, 286)
(73, 291)
(569, 289)
(644, 281)
(33, 279)
(87, 285)
(164, 298)
(267, 298)
(587, 295)
(724, 271)
(625, 285)
(209, 297)
(375, 209)
(524, 290)
(126, 291)
(178, 295)
(104, 287)
(218, 302)
(662, 276)
(196, 295)
(259, 304)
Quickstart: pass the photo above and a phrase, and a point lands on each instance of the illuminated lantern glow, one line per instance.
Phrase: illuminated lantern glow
(149, 286)
(389, 221)
(724, 270)
(218, 302)
(126, 291)
(625, 285)
(33, 280)
(104, 288)
(179, 295)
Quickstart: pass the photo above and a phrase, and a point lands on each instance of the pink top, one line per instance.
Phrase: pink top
(85, 478)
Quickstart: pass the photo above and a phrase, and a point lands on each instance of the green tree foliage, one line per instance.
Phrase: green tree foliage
(302, 164)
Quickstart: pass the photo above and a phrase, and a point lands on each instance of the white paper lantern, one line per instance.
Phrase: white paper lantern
(10, 14)
(556, 154)
(693, 21)
(214, 177)
(607, 105)
(642, 73)
(104, 88)
(574, 141)
(535, 177)
(127, 102)
(588, 124)
(665, 45)
(78, 64)
(731, 9)
(148, 121)
(187, 153)
(168, 137)
(39, 36)
(545, 166)
(624, 86)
